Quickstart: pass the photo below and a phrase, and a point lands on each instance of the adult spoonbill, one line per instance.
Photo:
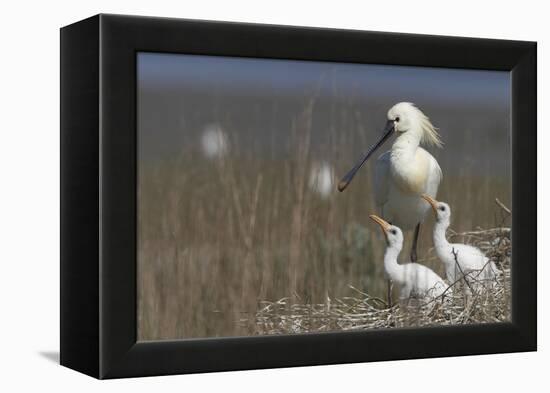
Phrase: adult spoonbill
(471, 260)
(405, 172)
(414, 280)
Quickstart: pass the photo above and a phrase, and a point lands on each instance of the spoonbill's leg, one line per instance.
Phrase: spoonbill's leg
(390, 286)
(415, 241)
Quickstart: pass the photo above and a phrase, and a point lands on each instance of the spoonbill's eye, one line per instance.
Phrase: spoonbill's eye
(393, 232)
(442, 208)
(397, 119)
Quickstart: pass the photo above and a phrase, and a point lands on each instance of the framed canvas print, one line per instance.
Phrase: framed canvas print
(238, 196)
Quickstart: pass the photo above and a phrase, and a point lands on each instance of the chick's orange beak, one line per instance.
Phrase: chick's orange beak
(431, 201)
(383, 224)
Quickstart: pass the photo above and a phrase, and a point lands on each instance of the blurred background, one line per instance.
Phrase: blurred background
(238, 165)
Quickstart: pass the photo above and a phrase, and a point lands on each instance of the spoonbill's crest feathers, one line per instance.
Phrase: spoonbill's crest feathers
(410, 116)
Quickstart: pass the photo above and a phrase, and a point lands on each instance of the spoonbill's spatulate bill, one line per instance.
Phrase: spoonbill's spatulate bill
(414, 280)
(471, 260)
(405, 172)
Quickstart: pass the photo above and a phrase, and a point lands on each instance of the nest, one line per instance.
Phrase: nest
(470, 302)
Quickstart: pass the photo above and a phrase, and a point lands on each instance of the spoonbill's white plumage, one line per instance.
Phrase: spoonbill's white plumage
(414, 280)
(472, 262)
(405, 172)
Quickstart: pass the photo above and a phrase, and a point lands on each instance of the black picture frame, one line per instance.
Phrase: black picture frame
(98, 195)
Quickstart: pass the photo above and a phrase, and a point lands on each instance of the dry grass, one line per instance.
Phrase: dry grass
(468, 303)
